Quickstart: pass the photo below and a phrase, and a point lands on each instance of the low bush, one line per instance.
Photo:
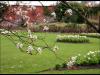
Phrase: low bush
(72, 39)
(58, 67)
(63, 27)
(90, 58)
(64, 65)
(94, 35)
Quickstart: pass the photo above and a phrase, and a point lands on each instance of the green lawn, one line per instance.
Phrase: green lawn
(14, 61)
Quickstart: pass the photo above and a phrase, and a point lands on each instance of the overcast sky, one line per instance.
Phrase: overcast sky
(35, 3)
(46, 3)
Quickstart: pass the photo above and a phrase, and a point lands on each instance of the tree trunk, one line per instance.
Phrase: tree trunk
(99, 24)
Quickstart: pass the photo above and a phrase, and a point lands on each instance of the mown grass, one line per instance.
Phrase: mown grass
(14, 61)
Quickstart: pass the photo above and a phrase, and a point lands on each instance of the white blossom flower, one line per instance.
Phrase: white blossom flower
(30, 48)
(55, 48)
(60, 9)
(18, 13)
(2, 30)
(53, 14)
(34, 37)
(45, 28)
(5, 32)
(44, 20)
(88, 53)
(30, 36)
(69, 11)
(92, 52)
(39, 49)
(89, 58)
(19, 45)
(95, 51)
(29, 32)
(70, 63)
(73, 59)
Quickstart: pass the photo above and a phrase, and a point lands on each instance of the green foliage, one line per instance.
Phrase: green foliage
(58, 67)
(3, 9)
(59, 10)
(64, 65)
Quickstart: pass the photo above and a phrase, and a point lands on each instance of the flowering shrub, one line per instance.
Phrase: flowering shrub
(58, 67)
(91, 58)
(71, 62)
(72, 38)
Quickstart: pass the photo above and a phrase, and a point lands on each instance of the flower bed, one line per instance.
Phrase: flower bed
(95, 35)
(89, 60)
(72, 39)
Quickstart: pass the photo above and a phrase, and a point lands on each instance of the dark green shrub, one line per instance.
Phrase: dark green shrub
(64, 65)
(58, 67)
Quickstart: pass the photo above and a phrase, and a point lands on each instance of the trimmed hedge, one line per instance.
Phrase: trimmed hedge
(63, 27)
